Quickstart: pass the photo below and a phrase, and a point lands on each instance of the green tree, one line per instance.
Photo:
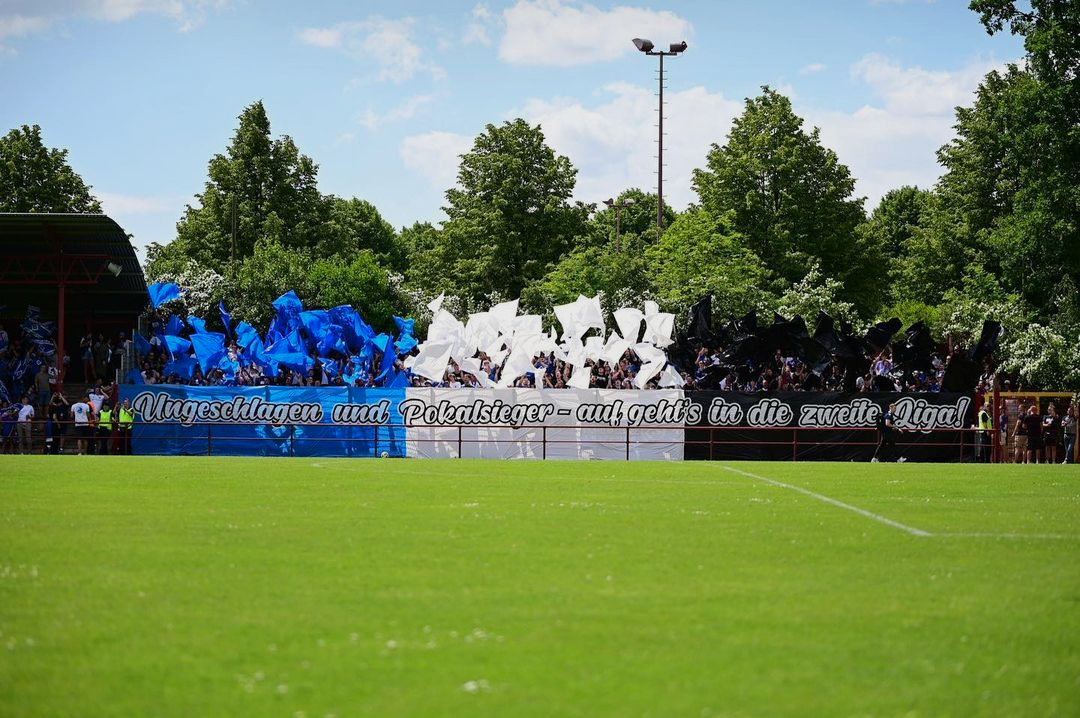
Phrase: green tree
(635, 218)
(896, 219)
(273, 189)
(620, 276)
(1011, 190)
(35, 178)
(934, 255)
(1051, 32)
(509, 218)
(355, 225)
(790, 198)
(701, 254)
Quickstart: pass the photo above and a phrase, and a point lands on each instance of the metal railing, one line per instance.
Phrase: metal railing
(697, 442)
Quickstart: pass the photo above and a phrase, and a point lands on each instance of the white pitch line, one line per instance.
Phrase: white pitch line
(1060, 537)
(834, 502)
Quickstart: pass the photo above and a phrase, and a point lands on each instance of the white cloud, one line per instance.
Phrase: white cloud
(554, 32)
(19, 18)
(435, 156)
(812, 68)
(321, 36)
(613, 143)
(373, 120)
(386, 43)
(124, 205)
(893, 141)
(476, 32)
(916, 91)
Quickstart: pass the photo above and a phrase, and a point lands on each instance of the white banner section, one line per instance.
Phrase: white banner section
(544, 424)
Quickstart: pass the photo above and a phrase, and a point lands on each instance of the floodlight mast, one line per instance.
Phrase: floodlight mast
(674, 49)
(624, 202)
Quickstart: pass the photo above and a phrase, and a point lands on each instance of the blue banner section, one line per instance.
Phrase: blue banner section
(265, 421)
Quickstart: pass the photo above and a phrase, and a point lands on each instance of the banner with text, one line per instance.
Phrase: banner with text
(825, 426)
(266, 421)
(544, 423)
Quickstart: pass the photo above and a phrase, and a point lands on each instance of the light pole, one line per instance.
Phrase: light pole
(625, 202)
(674, 49)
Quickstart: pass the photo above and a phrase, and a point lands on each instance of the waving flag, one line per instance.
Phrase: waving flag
(175, 325)
(246, 334)
(199, 325)
(405, 344)
(181, 366)
(141, 345)
(226, 318)
(405, 326)
(209, 348)
(160, 293)
(177, 345)
(288, 307)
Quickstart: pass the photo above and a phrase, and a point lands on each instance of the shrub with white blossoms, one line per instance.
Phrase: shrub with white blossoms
(202, 291)
(1042, 358)
(812, 294)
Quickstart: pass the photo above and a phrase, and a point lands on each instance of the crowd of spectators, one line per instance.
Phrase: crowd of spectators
(782, 373)
(338, 369)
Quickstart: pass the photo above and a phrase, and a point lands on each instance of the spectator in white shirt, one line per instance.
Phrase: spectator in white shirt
(26, 416)
(81, 411)
(96, 398)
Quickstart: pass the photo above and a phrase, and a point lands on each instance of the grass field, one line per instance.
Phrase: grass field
(290, 587)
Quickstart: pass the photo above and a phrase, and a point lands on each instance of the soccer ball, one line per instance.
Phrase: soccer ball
(385, 455)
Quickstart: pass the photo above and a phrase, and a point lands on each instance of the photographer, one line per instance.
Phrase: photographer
(58, 416)
(886, 426)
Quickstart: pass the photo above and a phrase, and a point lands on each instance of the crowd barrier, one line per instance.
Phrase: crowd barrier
(541, 442)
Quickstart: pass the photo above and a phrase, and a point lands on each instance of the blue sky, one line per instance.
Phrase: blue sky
(385, 95)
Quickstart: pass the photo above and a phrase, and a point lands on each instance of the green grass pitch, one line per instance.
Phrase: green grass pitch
(293, 587)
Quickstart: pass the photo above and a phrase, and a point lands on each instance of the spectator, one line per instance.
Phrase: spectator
(125, 424)
(104, 428)
(59, 415)
(1003, 436)
(1034, 426)
(1020, 437)
(41, 388)
(8, 437)
(1051, 433)
(96, 397)
(1068, 428)
(82, 412)
(86, 349)
(25, 425)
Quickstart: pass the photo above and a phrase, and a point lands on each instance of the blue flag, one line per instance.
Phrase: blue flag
(199, 325)
(175, 325)
(297, 361)
(141, 345)
(181, 366)
(246, 334)
(177, 345)
(288, 301)
(161, 293)
(397, 380)
(209, 348)
(404, 326)
(405, 344)
(226, 318)
(135, 377)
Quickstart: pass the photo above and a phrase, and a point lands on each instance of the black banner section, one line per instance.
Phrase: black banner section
(815, 426)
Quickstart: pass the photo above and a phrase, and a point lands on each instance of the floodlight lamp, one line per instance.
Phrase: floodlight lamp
(643, 45)
(114, 268)
(609, 202)
(677, 47)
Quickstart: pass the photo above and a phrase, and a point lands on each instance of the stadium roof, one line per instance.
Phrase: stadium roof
(47, 249)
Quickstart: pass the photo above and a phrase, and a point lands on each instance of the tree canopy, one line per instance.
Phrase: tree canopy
(35, 178)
